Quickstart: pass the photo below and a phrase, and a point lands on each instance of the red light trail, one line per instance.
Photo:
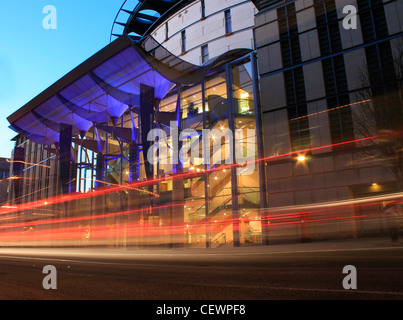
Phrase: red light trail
(273, 217)
(181, 176)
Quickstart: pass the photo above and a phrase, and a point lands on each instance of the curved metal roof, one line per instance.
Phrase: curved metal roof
(103, 87)
(137, 18)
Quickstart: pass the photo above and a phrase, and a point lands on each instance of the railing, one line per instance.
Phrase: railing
(220, 241)
(223, 205)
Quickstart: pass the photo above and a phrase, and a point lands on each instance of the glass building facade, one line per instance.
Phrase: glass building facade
(145, 156)
(203, 205)
(284, 129)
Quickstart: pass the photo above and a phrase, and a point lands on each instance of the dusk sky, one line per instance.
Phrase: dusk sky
(33, 58)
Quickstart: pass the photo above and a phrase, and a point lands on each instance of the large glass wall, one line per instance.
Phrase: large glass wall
(218, 191)
(246, 153)
(204, 187)
(206, 191)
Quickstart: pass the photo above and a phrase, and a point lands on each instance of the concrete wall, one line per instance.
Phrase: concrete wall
(208, 31)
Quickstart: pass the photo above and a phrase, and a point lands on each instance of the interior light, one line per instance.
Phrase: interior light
(301, 158)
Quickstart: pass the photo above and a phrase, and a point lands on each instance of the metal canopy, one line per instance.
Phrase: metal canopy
(99, 90)
(138, 18)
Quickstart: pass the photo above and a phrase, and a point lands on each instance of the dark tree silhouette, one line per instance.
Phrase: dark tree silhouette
(381, 116)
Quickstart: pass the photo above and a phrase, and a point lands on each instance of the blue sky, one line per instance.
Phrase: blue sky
(33, 58)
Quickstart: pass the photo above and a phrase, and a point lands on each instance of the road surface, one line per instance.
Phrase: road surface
(305, 271)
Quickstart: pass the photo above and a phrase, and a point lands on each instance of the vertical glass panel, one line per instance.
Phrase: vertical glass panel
(183, 41)
(228, 22)
(219, 177)
(193, 162)
(166, 114)
(216, 100)
(246, 154)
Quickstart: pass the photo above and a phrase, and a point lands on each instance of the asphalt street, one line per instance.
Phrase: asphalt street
(282, 272)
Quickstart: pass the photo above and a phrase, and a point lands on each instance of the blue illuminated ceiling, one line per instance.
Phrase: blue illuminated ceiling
(98, 91)
(137, 18)
(105, 86)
